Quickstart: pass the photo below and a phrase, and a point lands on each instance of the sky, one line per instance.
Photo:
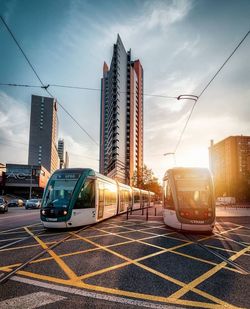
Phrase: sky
(180, 43)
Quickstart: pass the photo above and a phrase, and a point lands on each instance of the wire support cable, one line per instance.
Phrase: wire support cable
(43, 86)
(22, 51)
(82, 88)
(196, 98)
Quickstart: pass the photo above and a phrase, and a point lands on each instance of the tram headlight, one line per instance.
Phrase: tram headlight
(65, 212)
(43, 212)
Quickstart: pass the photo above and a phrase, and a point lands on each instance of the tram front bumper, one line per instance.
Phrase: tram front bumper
(54, 225)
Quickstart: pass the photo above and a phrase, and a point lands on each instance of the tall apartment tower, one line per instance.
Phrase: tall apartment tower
(43, 133)
(229, 162)
(61, 152)
(66, 162)
(121, 133)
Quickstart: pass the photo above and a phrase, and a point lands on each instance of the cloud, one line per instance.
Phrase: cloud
(79, 154)
(162, 14)
(14, 129)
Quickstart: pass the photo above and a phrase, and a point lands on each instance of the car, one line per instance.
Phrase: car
(3, 205)
(33, 204)
(16, 203)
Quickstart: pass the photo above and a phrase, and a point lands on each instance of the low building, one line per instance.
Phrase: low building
(2, 178)
(25, 180)
(229, 162)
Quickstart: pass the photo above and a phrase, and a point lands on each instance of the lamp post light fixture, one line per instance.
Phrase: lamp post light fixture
(188, 97)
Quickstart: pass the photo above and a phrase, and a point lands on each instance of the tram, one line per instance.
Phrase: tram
(80, 196)
(188, 199)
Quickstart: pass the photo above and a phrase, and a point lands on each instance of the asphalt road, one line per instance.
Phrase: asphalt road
(18, 217)
(130, 263)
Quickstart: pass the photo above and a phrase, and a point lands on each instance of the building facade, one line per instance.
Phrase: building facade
(61, 152)
(43, 133)
(2, 178)
(66, 162)
(229, 162)
(121, 130)
(25, 180)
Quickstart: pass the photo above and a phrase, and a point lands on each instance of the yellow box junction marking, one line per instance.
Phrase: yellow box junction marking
(69, 272)
(136, 262)
(207, 275)
(75, 280)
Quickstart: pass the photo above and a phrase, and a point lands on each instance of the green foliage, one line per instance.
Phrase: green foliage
(145, 179)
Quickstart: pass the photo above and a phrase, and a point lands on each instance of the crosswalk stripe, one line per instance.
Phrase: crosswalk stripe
(30, 301)
(94, 295)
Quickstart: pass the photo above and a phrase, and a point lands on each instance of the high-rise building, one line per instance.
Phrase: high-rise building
(66, 162)
(229, 162)
(43, 133)
(61, 152)
(121, 133)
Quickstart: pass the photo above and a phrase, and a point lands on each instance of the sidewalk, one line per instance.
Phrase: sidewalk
(232, 212)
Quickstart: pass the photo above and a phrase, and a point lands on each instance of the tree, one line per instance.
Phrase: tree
(144, 179)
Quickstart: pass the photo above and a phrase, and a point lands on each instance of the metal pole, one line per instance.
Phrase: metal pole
(30, 181)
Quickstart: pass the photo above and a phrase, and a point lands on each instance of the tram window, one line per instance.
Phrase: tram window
(110, 195)
(144, 198)
(124, 198)
(168, 197)
(136, 197)
(86, 197)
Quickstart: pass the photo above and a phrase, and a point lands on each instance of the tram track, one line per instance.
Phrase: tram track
(219, 255)
(20, 240)
(233, 240)
(5, 278)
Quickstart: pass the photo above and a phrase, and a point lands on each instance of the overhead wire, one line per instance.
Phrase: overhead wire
(82, 88)
(45, 87)
(41, 82)
(13, 143)
(205, 88)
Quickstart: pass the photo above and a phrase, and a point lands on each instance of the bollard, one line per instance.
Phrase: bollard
(147, 214)
(155, 211)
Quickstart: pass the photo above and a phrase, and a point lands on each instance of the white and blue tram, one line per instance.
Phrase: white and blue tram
(188, 199)
(80, 196)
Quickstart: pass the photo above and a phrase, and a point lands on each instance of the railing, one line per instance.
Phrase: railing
(130, 210)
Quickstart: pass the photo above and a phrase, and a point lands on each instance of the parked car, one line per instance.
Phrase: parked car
(3, 205)
(33, 204)
(16, 203)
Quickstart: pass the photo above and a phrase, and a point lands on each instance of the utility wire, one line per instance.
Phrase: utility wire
(16, 144)
(43, 85)
(73, 118)
(13, 37)
(82, 88)
(205, 88)
(208, 84)
(19, 85)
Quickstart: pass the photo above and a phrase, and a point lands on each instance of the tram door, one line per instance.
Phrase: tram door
(101, 200)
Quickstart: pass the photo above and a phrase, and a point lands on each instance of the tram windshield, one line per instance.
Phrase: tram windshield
(193, 192)
(59, 189)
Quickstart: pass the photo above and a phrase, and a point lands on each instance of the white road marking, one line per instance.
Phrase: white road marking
(18, 228)
(7, 239)
(84, 293)
(30, 301)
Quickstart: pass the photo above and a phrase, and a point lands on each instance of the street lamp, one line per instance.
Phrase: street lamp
(31, 171)
(188, 97)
